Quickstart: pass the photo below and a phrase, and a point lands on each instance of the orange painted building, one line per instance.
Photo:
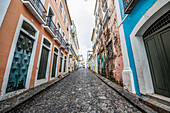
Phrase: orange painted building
(34, 37)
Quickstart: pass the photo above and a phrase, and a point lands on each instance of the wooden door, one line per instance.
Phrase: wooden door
(158, 52)
(20, 63)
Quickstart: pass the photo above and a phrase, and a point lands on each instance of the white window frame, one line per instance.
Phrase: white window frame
(65, 21)
(41, 81)
(66, 64)
(5, 95)
(60, 26)
(56, 73)
(54, 16)
(60, 73)
(64, 35)
(68, 27)
(62, 8)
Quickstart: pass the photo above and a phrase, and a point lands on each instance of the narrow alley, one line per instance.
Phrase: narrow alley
(81, 91)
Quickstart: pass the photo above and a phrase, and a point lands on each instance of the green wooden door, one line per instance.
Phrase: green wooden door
(158, 52)
(20, 63)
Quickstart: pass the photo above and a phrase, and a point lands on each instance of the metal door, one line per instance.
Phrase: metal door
(158, 52)
(20, 63)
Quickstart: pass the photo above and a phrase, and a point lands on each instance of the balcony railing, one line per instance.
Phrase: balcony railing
(67, 49)
(63, 43)
(58, 36)
(129, 5)
(71, 47)
(106, 17)
(37, 9)
(50, 27)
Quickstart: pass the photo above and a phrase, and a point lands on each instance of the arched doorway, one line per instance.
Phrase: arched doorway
(157, 44)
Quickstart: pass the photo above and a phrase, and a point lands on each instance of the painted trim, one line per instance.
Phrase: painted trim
(141, 62)
(127, 74)
(10, 59)
(41, 81)
(56, 73)
(4, 4)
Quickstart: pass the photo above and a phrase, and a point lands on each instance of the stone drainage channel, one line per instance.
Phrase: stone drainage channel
(81, 91)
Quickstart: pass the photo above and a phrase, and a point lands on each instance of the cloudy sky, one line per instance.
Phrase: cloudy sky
(81, 12)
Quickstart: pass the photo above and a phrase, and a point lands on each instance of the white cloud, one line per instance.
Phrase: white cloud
(81, 12)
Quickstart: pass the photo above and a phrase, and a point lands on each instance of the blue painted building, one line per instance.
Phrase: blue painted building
(144, 26)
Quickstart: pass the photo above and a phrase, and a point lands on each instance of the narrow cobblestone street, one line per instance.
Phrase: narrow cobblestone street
(81, 91)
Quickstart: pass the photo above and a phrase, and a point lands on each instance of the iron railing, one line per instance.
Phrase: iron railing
(51, 24)
(63, 43)
(58, 36)
(129, 5)
(71, 47)
(39, 7)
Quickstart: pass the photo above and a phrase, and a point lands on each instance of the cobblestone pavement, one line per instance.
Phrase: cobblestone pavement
(81, 91)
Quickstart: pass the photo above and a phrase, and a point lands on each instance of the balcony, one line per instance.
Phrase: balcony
(37, 9)
(129, 5)
(58, 37)
(71, 47)
(50, 27)
(67, 49)
(106, 17)
(63, 43)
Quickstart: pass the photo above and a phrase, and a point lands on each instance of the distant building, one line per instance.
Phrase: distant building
(81, 62)
(95, 46)
(89, 63)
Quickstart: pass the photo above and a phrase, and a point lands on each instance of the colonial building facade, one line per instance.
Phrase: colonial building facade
(74, 49)
(145, 35)
(106, 42)
(34, 36)
(94, 48)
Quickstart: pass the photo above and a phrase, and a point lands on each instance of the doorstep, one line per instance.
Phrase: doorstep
(157, 102)
(160, 98)
(131, 98)
(11, 103)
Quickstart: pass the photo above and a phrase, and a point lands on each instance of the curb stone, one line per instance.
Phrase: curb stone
(133, 99)
(11, 103)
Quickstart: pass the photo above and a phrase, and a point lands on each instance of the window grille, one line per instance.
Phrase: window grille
(27, 27)
(162, 21)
